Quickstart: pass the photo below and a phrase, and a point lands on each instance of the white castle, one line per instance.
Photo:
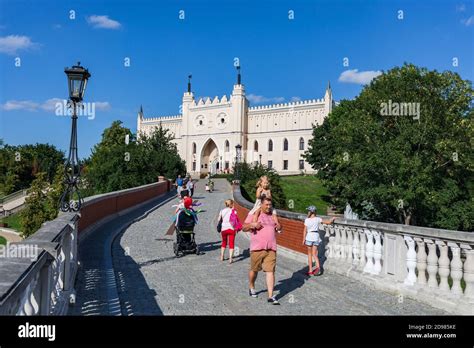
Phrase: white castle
(208, 131)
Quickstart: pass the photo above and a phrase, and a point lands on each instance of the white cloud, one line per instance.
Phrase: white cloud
(468, 22)
(460, 8)
(258, 99)
(295, 99)
(102, 105)
(103, 22)
(50, 104)
(20, 105)
(47, 105)
(361, 78)
(57, 26)
(12, 43)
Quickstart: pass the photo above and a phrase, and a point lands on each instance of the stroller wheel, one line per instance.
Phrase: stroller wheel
(197, 250)
(175, 249)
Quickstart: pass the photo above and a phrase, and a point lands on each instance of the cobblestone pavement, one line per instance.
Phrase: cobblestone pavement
(96, 291)
(151, 281)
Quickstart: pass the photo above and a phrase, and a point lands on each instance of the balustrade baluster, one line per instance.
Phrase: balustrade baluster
(377, 252)
(362, 244)
(469, 272)
(410, 261)
(369, 252)
(456, 268)
(421, 261)
(355, 246)
(443, 262)
(432, 264)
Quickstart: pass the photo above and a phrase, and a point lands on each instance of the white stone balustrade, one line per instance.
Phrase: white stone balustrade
(430, 263)
(47, 278)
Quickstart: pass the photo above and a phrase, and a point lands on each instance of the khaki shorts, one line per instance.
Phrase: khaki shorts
(263, 259)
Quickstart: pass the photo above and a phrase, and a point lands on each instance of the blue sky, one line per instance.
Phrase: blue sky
(281, 58)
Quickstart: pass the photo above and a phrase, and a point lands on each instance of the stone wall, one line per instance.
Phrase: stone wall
(99, 207)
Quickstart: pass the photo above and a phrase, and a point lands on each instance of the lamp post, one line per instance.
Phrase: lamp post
(238, 154)
(71, 199)
(260, 156)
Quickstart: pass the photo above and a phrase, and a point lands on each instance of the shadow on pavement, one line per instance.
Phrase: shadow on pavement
(208, 246)
(132, 287)
(288, 285)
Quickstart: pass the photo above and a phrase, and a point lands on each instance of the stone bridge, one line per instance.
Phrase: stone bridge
(117, 258)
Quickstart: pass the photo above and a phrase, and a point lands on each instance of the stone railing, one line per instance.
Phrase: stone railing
(431, 265)
(37, 275)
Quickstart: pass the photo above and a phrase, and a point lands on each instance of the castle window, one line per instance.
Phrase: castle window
(255, 146)
(194, 148)
(270, 145)
(285, 144)
(301, 164)
(270, 164)
(301, 144)
(194, 166)
(226, 146)
(285, 165)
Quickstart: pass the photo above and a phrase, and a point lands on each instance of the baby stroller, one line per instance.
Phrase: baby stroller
(185, 243)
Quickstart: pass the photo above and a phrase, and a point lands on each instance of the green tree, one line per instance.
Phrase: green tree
(414, 169)
(249, 174)
(19, 164)
(116, 165)
(54, 193)
(36, 211)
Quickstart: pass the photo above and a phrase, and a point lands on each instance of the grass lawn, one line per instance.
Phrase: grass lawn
(13, 222)
(305, 191)
(3, 241)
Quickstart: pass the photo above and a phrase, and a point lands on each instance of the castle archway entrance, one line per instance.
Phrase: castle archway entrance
(209, 158)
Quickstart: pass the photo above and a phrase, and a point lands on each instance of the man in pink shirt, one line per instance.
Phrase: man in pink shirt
(263, 248)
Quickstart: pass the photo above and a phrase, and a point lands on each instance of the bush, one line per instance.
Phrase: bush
(249, 175)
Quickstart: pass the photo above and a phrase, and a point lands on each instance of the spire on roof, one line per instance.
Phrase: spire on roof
(239, 77)
(189, 83)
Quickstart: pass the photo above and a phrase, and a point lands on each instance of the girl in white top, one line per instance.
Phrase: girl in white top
(312, 239)
(227, 231)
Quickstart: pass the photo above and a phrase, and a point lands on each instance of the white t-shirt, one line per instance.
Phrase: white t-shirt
(312, 227)
(225, 214)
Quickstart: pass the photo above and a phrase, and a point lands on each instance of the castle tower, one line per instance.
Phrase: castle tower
(239, 105)
(328, 99)
(139, 119)
(187, 125)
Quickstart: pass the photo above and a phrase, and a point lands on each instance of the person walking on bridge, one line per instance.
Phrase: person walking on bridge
(228, 230)
(263, 247)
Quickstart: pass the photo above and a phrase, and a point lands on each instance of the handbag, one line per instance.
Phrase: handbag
(219, 225)
(235, 221)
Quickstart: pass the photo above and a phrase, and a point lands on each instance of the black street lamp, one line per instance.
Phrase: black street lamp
(260, 158)
(238, 154)
(71, 199)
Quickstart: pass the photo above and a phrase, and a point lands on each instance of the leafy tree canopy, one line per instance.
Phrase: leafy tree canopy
(402, 165)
